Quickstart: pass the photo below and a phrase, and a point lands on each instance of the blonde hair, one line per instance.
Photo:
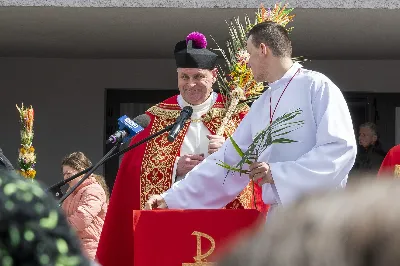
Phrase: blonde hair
(102, 182)
(79, 162)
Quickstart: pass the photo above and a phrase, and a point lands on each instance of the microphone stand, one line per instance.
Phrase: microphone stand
(86, 176)
(103, 160)
(63, 182)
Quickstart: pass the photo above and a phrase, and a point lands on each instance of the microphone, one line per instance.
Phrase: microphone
(142, 121)
(129, 128)
(186, 113)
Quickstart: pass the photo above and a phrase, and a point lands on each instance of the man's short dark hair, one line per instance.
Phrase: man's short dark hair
(274, 36)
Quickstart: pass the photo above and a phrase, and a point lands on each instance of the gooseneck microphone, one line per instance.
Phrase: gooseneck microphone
(186, 113)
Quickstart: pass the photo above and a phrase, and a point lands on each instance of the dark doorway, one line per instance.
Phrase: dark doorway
(361, 108)
(379, 108)
(131, 103)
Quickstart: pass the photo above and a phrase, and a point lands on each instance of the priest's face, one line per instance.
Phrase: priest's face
(258, 60)
(195, 84)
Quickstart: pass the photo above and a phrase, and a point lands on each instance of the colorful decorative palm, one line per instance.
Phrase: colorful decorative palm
(237, 84)
(27, 156)
(239, 87)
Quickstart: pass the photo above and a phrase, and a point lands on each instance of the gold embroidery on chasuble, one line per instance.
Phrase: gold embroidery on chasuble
(160, 155)
(213, 118)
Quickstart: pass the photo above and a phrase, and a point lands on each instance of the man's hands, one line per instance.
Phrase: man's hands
(155, 202)
(215, 143)
(188, 162)
(260, 173)
(184, 165)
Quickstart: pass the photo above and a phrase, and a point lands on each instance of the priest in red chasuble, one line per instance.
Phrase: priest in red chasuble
(153, 167)
(391, 164)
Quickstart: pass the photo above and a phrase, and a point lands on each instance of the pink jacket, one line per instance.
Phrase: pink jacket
(86, 210)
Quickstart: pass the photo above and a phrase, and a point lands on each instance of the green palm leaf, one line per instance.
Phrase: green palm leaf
(281, 126)
(227, 166)
(236, 146)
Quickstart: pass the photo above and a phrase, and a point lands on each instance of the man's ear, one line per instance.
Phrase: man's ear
(264, 49)
(374, 138)
(214, 72)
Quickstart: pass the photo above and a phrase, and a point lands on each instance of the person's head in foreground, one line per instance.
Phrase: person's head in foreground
(357, 226)
(33, 229)
(196, 68)
(270, 51)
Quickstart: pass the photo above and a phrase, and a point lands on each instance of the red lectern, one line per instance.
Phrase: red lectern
(186, 237)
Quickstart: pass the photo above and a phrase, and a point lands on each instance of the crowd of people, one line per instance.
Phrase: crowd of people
(311, 220)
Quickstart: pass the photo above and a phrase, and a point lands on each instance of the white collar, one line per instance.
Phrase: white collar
(286, 77)
(200, 107)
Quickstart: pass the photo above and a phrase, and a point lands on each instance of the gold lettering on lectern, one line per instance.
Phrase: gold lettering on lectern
(200, 258)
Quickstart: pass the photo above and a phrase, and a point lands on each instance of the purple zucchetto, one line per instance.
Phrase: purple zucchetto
(193, 53)
(198, 39)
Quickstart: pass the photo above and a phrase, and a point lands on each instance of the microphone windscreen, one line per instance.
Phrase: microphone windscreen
(188, 110)
(142, 120)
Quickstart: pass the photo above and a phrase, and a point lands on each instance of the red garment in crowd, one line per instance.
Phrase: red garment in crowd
(391, 164)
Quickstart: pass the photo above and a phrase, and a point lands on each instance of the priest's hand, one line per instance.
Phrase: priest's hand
(155, 202)
(261, 173)
(216, 142)
(188, 162)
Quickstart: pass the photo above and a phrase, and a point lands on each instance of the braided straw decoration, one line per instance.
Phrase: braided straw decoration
(236, 95)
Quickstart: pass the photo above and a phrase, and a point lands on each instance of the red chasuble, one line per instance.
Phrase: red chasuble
(147, 170)
(391, 164)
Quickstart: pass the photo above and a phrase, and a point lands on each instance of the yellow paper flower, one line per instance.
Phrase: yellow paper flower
(31, 173)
